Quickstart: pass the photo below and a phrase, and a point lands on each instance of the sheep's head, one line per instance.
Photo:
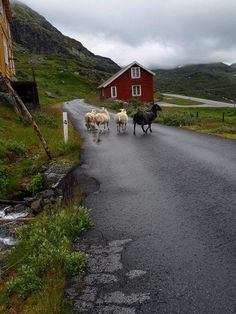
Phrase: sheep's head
(93, 110)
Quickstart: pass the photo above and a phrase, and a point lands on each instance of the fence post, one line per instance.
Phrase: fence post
(223, 117)
(197, 115)
(65, 126)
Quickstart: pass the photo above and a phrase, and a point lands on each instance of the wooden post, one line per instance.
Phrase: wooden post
(223, 117)
(29, 116)
(197, 115)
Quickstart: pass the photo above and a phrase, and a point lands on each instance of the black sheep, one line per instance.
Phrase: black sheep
(146, 118)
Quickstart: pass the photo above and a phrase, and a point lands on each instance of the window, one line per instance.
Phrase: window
(135, 72)
(113, 92)
(136, 90)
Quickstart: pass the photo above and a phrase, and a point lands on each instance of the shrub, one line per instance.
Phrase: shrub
(17, 148)
(46, 119)
(45, 246)
(177, 119)
(36, 184)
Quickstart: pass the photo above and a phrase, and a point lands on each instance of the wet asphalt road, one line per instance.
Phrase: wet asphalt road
(173, 192)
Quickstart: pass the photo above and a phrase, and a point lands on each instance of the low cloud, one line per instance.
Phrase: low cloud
(156, 33)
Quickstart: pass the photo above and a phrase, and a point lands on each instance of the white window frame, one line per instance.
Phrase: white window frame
(135, 90)
(113, 92)
(135, 72)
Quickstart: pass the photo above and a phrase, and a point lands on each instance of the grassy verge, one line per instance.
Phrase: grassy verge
(181, 101)
(207, 120)
(217, 121)
(21, 152)
(35, 271)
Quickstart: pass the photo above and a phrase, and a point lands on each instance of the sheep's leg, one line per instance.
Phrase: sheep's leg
(108, 126)
(147, 128)
(134, 127)
(150, 127)
(143, 128)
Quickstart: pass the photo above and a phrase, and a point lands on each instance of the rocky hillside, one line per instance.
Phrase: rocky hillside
(213, 81)
(34, 33)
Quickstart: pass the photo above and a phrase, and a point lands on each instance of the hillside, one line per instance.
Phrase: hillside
(213, 81)
(63, 67)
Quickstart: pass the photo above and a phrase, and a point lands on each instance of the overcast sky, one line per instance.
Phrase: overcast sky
(156, 33)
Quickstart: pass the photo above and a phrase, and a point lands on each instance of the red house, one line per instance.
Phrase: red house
(132, 82)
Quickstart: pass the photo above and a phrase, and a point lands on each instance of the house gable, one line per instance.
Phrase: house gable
(122, 71)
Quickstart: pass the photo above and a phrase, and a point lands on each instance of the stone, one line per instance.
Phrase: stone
(135, 273)
(113, 309)
(19, 207)
(119, 297)
(36, 206)
(100, 279)
(47, 193)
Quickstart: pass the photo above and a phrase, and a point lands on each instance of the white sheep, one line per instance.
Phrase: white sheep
(102, 117)
(121, 120)
(89, 118)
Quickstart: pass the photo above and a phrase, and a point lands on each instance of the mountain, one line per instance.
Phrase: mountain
(33, 32)
(233, 65)
(213, 81)
(64, 69)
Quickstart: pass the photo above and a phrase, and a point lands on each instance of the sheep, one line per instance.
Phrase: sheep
(121, 120)
(146, 118)
(102, 117)
(89, 119)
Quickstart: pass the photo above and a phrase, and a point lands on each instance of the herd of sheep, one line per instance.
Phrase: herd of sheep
(98, 119)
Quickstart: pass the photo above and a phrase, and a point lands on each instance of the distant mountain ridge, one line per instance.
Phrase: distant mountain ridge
(213, 80)
(34, 33)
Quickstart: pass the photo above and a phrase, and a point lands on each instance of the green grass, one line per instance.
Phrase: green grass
(21, 151)
(180, 101)
(35, 271)
(206, 120)
(58, 79)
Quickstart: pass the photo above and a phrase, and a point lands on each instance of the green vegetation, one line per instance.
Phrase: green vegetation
(58, 79)
(21, 152)
(211, 81)
(217, 121)
(42, 256)
(180, 101)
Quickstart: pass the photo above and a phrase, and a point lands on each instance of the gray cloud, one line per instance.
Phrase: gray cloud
(155, 32)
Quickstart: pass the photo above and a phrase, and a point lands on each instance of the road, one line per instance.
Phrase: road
(172, 193)
(206, 103)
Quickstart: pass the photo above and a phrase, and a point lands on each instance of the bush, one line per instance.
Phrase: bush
(17, 148)
(46, 119)
(45, 246)
(177, 119)
(36, 184)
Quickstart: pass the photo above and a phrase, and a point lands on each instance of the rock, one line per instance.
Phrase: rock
(29, 200)
(36, 206)
(56, 173)
(19, 207)
(46, 193)
(8, 210)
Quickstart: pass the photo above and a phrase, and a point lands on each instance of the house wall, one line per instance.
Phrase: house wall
(7, 67)
(124, 86)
